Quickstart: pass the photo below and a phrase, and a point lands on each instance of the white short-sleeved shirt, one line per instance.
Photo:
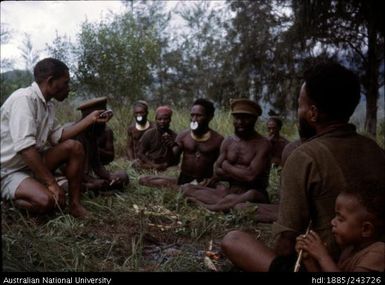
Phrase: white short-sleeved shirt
(26, 120)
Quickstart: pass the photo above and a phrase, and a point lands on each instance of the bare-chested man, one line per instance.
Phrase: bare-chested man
(137, 128)
(332, 159)
(278, 142)
(244, 162)
(200, 147)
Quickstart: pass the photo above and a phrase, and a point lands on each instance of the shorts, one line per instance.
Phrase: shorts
(11, 182)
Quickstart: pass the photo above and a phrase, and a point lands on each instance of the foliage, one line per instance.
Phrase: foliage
(29, 54)
(352, 31)
(13, 80)
(114, 58)
(5, 36)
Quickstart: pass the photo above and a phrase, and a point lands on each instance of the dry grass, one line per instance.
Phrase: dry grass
(138, 229)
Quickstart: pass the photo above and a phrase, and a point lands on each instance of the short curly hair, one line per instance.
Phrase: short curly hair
(208, 105)
(372, 198)
(49, 67)
(334, 89)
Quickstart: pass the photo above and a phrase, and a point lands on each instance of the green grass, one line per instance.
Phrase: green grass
(139, 229)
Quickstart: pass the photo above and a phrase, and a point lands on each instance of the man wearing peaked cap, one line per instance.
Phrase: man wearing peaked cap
(97, 177)
(106, 139)
(245, 106)
(244, 162)
(99, 103)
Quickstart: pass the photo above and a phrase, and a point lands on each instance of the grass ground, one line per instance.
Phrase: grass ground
(138, 229)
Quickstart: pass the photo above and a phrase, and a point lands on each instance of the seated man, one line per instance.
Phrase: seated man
(333, 158)
(33, 145)
(244, 162)
(288, 149)
(155, 148)
(200, 147)
(104, 179)
(137, 128)
(274, 125)
(106, 146)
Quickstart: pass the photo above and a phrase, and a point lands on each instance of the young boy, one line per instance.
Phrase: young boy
(358, 228)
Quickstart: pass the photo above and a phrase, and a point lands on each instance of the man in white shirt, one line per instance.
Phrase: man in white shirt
(33, 145)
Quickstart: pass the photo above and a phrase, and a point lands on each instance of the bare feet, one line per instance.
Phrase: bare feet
(267, 213)
(78, 211)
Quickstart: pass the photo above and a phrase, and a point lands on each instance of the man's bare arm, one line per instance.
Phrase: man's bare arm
(75, 129)
(218, 170)
(256, 168)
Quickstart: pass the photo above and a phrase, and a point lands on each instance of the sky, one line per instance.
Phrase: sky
(42, 19)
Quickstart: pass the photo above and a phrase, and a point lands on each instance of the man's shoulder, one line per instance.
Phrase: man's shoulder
(283, 140)
(216, 135)
(149, 132)
(131, 127)
(261, 140)
(182, 134)
(172, 132)
(20, 94)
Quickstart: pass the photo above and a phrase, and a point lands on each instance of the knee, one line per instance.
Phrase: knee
(44, 203)
(230, 239)
(74, 147)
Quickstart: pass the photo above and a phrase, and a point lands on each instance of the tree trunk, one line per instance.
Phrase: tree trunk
(372, 77)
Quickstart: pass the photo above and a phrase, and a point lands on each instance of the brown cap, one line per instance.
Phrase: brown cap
(94, 104)
(245, 106)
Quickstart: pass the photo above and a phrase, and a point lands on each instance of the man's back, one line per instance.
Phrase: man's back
(318, 170)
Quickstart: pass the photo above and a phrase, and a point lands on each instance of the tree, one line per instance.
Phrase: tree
(264, 58)
(5, 35)
(62, 49)
(13, 80)
(197, 62)
(354, 31)
(28, 53)
(114, 58)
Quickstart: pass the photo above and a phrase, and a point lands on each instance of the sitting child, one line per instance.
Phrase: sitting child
(358, 227)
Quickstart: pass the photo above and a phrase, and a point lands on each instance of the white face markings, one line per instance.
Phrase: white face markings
(194, 125)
